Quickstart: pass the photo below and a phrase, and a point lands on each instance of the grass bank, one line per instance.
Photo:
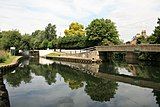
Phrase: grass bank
(7, 59)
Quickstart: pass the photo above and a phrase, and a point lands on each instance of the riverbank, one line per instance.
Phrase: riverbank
(10, 62)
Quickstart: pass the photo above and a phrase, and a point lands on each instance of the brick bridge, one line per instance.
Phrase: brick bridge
(129, 48)
(131, 51)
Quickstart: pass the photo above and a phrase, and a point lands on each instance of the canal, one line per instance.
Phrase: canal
(46, 83)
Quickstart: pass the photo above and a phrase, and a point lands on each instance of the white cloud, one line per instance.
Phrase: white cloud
(130, 16)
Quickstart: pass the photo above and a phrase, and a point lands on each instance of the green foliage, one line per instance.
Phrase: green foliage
(53, 44)
(151, 39)
(141, 40)
(75, 29)
(44, 44)
(72, 42)
(3, 56)
(150, 56)
(156, 33)
(102, 30)
(25, 43)
(99, 32)
(37, 38)
(10, 39)
(2, 59)
(50, 32)
(42, 39)
(50, 45)
(74, 37)
(36, 33)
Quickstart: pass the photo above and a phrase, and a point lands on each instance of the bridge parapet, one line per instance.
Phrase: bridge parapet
(129, 48)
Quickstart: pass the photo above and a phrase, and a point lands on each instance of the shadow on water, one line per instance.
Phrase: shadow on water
(4, 98)
(100, 84)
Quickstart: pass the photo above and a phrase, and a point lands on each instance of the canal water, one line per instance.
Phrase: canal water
(45, 83)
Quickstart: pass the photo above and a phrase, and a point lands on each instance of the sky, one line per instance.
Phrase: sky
(130, 16)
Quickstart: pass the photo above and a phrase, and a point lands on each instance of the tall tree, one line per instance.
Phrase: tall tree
(37, 38)
(50, 32)
(156, 32)
(103, 31)
(75, 29)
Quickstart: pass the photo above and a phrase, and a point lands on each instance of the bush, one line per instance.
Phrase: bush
(2, 59)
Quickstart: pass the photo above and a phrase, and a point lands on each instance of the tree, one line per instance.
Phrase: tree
(44, 44)
(50, 32)
(151, 39)
(72, 42)
(101, 30)
(37, 38)
(10, 39)
(75, 29)
(156, 32)
(53, 44)
(36, 33)
(25, 43)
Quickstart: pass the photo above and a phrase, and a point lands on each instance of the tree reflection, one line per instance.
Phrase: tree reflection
(72, 77)
(97, 88)
(48, 72)
(4, 98)
(157, 94)
(100, 90)
(141, 69)
(20, 74)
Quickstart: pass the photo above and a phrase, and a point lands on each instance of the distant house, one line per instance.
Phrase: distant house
(134, 40)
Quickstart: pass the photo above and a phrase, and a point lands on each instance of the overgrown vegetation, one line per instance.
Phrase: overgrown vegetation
(6, 58)
(3, 56)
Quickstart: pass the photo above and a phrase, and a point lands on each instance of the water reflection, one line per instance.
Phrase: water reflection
(141, 69)
(157, 94)
(100, 90)
(48, 72)
(4, 98)
(18, 76)
(58, 84)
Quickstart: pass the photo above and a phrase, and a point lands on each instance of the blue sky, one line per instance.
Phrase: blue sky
(130, 16)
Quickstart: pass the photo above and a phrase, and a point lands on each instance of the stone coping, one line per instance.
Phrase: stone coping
(73, 59)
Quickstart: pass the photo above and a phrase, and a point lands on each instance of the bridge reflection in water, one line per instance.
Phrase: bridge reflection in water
(103, 83)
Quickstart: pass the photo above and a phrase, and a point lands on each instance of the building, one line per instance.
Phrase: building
(138, 35)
